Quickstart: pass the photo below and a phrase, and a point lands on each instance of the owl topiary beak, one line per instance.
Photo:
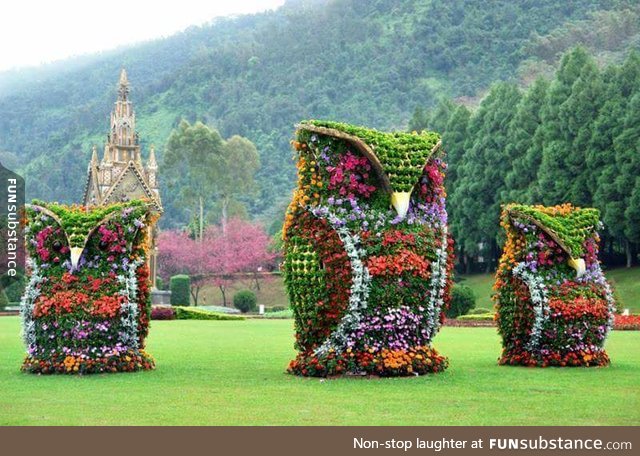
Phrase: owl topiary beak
(400, 202)
(579, 265)
(76, 252)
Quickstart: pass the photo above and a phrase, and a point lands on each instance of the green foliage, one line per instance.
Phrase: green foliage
(15, 289)
(369, 63)
(480, 311)
(193, 313)
(280, 314)
(275, 309)
(159, 283)
(486, 316)
(4, 302)
(463, 299)
(245, 301)
(180, 286)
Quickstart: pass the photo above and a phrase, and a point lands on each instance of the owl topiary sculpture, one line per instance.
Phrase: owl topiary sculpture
(554, 305)
(86, 306)
(367, 253)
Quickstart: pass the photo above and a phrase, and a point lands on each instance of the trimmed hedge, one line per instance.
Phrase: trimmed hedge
(180, 290)
(193, 313)
(463, 299)
(480, 311)
(245, 301)
(476, 317)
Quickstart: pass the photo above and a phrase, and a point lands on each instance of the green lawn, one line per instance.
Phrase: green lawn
(232, 373)
(626, 283)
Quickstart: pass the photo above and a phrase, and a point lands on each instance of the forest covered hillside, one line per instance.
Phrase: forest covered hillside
(367, 63)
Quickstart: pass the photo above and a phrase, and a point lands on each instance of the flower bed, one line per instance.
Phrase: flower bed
(627, 323)
(367, 283)
(554, 305)
(86, 306)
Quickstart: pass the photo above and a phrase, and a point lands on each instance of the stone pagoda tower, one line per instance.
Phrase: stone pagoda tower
(121, 175)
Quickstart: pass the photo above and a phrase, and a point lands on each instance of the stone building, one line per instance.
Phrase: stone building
(121, 174)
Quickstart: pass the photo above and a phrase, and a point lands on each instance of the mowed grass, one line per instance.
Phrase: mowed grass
(625, 281)
(232, 373)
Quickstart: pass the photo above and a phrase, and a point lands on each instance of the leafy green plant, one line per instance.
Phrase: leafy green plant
(245, 301)
(463, 299)
(180, 290)
(193, 313)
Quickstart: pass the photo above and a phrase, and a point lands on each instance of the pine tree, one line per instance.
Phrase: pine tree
(525, 146)
(627, 151)
(574, 100)
(481, 178)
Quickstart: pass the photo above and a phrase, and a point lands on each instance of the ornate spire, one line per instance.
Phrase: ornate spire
(123, 86)
(152, 164)
(94, 156)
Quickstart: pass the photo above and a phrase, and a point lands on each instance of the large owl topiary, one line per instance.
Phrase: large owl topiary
(554, 305)
(367, 253)
(87, 303)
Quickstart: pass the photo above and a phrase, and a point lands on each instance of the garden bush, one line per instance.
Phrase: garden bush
(245, 301)
(159, 283)
(163, 313)
(194, 313)
(477, 317)
(479, 311)
(463, 299)
(180, 290)
(275, 309)
(4, 302)
(15, 289)
(281, 314)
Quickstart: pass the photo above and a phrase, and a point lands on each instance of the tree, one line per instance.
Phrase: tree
(524, 147)
(208, 171)
(477, 196)
(627, 150)
(573, 103)
(219, 259)
(240, 163)
(418, 121)
(192, 164)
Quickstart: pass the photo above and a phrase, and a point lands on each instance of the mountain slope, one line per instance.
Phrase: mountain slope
(362, 62)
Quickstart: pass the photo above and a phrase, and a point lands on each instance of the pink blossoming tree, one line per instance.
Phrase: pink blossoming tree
(218, 259)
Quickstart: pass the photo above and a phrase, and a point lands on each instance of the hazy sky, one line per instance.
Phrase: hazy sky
(38, 31)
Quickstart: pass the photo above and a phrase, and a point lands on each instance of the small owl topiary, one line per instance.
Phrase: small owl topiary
(86, 306)
(554, 305)
(367, 254)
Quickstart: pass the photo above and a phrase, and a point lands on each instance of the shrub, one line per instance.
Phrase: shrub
(476, 317)
(191, 313)
(163, 313)
(281, 314)
(159, 283)
(480, 311)
(15, 289)
(180, 290)
(245, 300)
(4, 302)
(275, 309)
(462, 300)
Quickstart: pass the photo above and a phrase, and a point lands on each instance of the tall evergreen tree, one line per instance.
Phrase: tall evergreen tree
(481, 174)
(525, 146)
(627, 150)
(439, 118)
(572, 105)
